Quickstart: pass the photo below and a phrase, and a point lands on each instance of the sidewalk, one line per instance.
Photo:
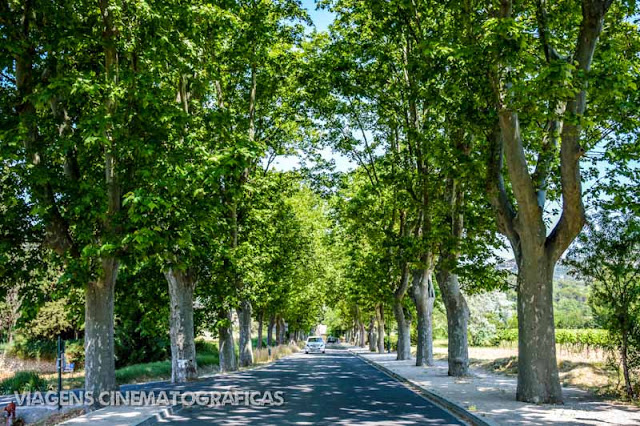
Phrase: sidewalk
(122, 416)
(492, 396)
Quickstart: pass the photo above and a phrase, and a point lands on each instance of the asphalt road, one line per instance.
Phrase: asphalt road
(331, 388)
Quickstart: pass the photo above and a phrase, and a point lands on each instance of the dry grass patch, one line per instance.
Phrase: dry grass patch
(587, 369)
(261, 356)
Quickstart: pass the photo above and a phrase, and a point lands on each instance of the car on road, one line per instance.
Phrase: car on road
(314, 344)
(332, 339)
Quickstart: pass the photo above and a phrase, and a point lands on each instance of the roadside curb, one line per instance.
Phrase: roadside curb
(437, 399)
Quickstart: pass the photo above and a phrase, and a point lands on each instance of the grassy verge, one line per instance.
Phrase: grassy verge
(207, 357)
(155, 371)
(138, 373)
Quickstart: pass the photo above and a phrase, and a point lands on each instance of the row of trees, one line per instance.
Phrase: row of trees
(137, 140)
(140, 134)
(467, 120)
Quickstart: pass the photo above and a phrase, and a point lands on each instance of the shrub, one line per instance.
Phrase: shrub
(206, 347)
(74, 352)
(25, 348)
(23, 381)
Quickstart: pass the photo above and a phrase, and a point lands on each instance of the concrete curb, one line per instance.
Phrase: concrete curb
(435, 398)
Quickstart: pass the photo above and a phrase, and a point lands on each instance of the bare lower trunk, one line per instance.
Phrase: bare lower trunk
(403, 319)
(457, 320)
(424, 296)
(99, 364)
(227, 351)
(260, 322)
(244, 317)
(380, 320)
(272, 321)
(280, 329)
(538, 380)
(625, 365)
(361, 335)
(183, 346)
(372, 334)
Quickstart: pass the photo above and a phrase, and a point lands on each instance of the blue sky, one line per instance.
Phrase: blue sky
(321, 18)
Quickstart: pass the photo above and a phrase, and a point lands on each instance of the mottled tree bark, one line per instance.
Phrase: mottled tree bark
(403, 317)
(424, 298)
(281, 330)
(183, 347)
(244, 318)
(457, 321)
(538, 379)
(227, 350)
(98, 334)
(372, 334)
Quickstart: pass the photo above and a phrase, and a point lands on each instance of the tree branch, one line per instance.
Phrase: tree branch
(505, 213)
(573, 213)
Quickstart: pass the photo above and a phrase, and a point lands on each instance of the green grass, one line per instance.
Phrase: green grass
(146, 372)
(23, 381)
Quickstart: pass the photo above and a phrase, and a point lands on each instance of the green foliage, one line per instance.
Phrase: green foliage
(23, 381)
(53, 319)
(489, 313)
(607, 256)
(25, 348)
(142, 316)
(74, 352)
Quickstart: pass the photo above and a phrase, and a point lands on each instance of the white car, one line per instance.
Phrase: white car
(314, 344)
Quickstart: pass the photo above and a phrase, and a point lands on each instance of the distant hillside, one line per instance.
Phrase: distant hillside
(560, 273)
(570, 297)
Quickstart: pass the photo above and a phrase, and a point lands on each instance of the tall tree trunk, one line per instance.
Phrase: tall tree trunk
(227, 350)
(244, 317)
(457, 321)
(362, 332)
(99, 364)
(260, 323)
(380, 320)
(272, 321)
(403, 318)
(424, 297)
(183, 347)
(454, 302)
(372, 334)
(538, 380)
(281, 331)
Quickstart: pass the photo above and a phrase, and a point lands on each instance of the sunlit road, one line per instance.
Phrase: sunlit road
(334, 388)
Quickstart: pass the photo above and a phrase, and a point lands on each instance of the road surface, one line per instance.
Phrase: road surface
(331, 388)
